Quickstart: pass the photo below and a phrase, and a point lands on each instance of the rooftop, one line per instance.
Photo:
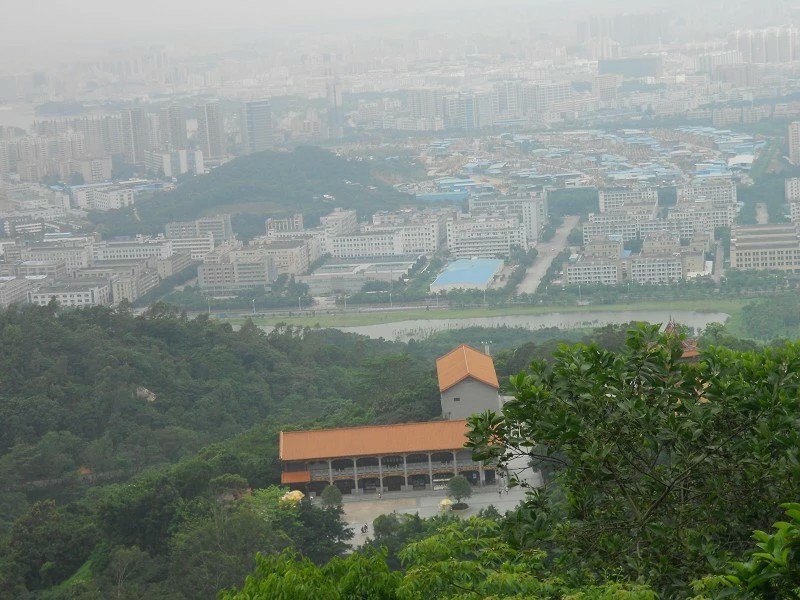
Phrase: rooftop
(464, 362)
(372, 440)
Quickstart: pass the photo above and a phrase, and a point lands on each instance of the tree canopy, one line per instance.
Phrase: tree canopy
(661, 462)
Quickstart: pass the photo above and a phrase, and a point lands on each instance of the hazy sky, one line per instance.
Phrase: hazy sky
(73, 19)
(47, 31)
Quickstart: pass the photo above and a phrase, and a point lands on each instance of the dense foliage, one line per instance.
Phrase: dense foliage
(658, 470)
(98, 396)
(666, 464)
(308, 180)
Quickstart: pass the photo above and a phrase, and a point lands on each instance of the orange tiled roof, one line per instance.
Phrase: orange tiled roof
(463, 362)
(432, 436)
(295, 476)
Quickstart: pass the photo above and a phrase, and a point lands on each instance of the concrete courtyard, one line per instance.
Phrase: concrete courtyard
(363, 509)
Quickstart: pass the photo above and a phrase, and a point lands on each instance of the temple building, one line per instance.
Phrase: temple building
(403, 457)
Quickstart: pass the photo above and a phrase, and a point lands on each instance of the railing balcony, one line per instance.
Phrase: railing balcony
(391, 470)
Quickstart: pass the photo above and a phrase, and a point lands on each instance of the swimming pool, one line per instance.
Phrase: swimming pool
(467, 273)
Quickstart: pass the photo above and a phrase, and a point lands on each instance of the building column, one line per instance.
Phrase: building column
(430, 471)
(481, 478)
(355, 476)
(330, 471)
(380, 475)
(405, 474)
(455, 462)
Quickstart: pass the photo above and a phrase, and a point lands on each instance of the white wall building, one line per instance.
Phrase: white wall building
(73, 293)
(368, 244)
(485, 237)
(611, 199)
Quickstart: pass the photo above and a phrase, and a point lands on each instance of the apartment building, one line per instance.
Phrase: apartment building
(49, 268)
(290, 257)
(13, 290)
(314, 240)
(139, 249)
(218, 225)
(766, 247)
(196, 247)
(293, 223)
(622, 223)
(367, 244)
(102, 197)
(604, 247)
(73, 257)
(593, 271)
(613, 198)
(231, 270)
(531, 211)
(792, 189)
(717, 189)
(172, 265)
(339, 222)
(485, 237)
(655, 268)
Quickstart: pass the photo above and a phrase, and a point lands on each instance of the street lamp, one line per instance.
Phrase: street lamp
(254, 306)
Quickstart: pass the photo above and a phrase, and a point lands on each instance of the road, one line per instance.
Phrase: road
(547, 252)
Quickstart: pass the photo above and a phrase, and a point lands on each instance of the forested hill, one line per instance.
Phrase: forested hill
(104, 392)
(308, 180)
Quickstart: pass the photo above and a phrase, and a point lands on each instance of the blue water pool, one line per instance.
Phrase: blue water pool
(468, 273)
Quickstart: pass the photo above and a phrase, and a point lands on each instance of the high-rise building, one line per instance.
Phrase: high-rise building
(172, 120)
(794, 142)
(333, 92)
(210, 132)
(426, 103)
(135, 135)
(257, 126)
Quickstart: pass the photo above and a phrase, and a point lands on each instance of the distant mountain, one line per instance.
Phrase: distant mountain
(308, 180)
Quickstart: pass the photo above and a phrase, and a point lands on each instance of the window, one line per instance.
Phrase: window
(456, 399)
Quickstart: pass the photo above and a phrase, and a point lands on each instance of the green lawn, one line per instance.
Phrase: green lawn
(353, 319)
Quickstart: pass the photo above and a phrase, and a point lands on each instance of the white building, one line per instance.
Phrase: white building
(140, 249)
(74, 257)
(593, 271)
(792, 189)
(794, 142)
(73, 293)
(611, 199)
(217, 225)
(368, 244)
(196, 247)
(102, 197)
(339, 222)
(232, 270)
(655, 269)
(13, 290)
(289, 257)
(531, 211)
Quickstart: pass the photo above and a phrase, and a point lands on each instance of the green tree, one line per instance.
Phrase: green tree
(661, 462)
(331, 496)
(459, 488)
(286, 575)
(49, 543)
(772, 571)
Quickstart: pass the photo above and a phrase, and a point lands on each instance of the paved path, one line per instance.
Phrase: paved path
(363, 509)
(547, 252)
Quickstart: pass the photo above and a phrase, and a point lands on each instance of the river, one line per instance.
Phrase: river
(419, 329)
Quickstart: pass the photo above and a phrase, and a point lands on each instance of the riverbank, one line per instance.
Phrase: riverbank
(353, 318)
